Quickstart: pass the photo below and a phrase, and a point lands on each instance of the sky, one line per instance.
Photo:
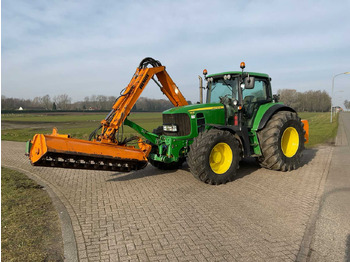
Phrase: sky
(84, 48)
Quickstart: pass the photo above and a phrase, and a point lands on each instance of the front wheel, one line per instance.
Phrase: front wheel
(214, 156)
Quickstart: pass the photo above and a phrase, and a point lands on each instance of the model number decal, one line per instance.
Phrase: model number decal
(144, 81)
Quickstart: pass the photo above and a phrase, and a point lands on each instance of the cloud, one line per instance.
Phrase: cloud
(89, 47)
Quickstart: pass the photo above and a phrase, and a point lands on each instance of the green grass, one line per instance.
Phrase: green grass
(30, 229)
(24, 127)
(320, 129)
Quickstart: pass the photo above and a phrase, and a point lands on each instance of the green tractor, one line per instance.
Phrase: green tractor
(241, 118)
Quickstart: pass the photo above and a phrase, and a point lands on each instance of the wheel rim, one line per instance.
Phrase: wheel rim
(290, 142)
(220, 158)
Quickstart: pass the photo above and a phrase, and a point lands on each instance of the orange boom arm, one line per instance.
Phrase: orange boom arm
(127, 100)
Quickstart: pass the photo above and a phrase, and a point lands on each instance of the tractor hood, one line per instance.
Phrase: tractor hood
(193, 109)
(209, 113)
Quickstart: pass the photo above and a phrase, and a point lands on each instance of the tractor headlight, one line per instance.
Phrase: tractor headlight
(170, 128)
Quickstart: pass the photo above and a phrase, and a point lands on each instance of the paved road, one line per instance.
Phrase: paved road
(151, 215)
(331, 236)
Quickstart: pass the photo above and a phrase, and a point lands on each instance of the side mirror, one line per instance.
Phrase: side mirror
(276, 98)
(249, 82)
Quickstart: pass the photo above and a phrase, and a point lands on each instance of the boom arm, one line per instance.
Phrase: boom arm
(132, 92)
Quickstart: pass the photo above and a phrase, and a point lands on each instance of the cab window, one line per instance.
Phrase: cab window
(258, 93)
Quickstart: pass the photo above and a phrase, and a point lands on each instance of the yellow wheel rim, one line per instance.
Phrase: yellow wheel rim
(290, 142)
(220, 158)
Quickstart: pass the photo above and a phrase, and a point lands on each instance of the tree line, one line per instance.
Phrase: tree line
(309, 101)
(63, 102)
(93, 102)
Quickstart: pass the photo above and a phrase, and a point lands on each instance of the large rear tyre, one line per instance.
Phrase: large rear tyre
(282, 142)
(162, 165)
(214, 156)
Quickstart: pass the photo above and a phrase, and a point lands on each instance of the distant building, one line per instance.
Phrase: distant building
(20, 108)
(337, 109)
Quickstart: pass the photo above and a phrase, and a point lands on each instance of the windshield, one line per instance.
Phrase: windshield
(220, 88)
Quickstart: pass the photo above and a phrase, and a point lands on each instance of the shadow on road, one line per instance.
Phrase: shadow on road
(308, 156)
(247, 166)
(147, 172)
(347, 249)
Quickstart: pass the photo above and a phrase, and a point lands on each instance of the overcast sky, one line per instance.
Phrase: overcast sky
(83, 48)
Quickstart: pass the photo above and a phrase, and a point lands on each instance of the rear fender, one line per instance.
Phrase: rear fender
(265, 112)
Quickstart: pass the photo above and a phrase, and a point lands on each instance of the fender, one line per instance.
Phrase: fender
(242, 134)
(267, 111)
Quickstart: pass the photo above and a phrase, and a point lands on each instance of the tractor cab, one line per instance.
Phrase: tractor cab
(239, 91)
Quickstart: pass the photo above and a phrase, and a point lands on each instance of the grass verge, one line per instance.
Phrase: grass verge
(320, 129)
(30, 229)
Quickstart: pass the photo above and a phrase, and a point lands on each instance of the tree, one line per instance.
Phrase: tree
(311, 101)
(54, 107)
(289, 97)
(37, 101)
(110, 102)
(347, 104)
(62, 101)
(46, 100)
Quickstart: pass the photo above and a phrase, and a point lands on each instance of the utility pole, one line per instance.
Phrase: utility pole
(345, 73)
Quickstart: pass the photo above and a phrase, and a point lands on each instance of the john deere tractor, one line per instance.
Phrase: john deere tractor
(240, 118)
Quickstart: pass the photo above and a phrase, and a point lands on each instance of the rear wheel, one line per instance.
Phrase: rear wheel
(282, 142)
(214, 156)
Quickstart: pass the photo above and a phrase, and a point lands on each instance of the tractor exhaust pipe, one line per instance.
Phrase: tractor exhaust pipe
(200, 89)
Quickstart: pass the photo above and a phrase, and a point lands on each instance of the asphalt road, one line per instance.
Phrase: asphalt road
(331, 235)
(152, 215)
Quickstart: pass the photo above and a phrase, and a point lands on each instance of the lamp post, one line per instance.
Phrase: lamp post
(345, 73)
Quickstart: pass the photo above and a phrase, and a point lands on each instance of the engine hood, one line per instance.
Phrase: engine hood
(209, 113)
(192, 109)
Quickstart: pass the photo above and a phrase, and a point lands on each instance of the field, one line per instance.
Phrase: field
(80, 125)
(22, 127)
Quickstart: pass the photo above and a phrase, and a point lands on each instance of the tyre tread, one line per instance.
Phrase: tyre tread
(197, 156)
(273, 158)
